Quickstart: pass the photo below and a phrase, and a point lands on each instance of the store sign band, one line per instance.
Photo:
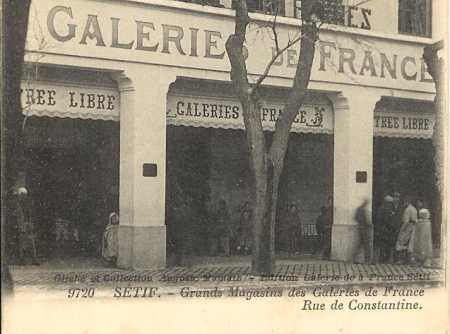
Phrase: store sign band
(312, 118)
(403, 124)
(227, 113)
(70, 101)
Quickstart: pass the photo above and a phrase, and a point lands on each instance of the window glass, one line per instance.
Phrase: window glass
(414, 17)
(331, 11)
(266, 6)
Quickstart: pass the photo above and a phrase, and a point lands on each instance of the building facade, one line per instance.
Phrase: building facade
(126, 98)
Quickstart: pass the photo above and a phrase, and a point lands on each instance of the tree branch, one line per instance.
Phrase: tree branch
(310, 34)
(272, 61)
(274, 30)
(234, 46)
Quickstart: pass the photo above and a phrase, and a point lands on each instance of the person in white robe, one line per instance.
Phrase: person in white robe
(423, 245)
(110, 245)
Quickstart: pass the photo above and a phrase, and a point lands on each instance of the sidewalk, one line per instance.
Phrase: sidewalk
(306, 273)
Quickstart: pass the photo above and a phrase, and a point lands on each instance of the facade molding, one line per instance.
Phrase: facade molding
(124, 83)
(282, 20)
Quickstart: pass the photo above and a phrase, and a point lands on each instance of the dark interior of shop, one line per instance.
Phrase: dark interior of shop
(206, 166)
(72, 173)
(405, 165)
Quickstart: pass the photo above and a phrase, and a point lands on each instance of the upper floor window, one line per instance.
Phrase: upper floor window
(270, 7)
(339, 13)
(414, 17)
(215, 3)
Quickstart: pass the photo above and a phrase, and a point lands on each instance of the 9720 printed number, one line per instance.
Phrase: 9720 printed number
(81, 293)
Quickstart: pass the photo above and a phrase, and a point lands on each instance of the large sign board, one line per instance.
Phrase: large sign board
(155, 34)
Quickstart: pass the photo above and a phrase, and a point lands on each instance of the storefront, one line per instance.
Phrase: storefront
(71, 137)
(404, 154)
(207, 162)
(171, 137)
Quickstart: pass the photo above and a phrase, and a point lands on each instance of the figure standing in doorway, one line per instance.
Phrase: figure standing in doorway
(110, 241)
(294, 230)
(365, 230)
(384, 229)
(245, 230)
(22, 213)
(397, 219)
(405, 240)
(423, 245)
(323, 227)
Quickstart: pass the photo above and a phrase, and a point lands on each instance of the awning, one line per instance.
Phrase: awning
(403, 118)
(226, 113)
(69, 101)
(403, 125)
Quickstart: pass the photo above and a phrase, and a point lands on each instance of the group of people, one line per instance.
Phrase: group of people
(402, 231)
(225, 238)
(66, 235)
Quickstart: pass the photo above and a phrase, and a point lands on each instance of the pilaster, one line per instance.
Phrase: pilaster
(353, 161)
(142, 232)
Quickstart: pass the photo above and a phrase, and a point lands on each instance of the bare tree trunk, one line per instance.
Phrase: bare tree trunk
(435, 67)
(260, 168)
(267, 164)
(266, 178)
(15, 14)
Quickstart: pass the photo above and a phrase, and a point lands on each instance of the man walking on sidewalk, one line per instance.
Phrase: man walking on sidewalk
(365, 232)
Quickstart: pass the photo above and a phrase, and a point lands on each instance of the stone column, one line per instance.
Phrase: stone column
(353, 152)
(142, 230)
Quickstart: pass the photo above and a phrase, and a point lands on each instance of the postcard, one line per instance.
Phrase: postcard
(272, 166)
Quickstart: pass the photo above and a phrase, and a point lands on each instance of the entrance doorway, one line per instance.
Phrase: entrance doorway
(405, 165)
(72, 174)
(208, 183)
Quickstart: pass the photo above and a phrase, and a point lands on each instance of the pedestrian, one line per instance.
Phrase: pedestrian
(294, 230)
(323, 227)
(66, 237)
(396, 201)
(405, 240)
(320, 227)
(365, 231)
(398, 212)
(384, 230)
(22, 214)
(245, 230)
(110, 241)
(423, 245)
